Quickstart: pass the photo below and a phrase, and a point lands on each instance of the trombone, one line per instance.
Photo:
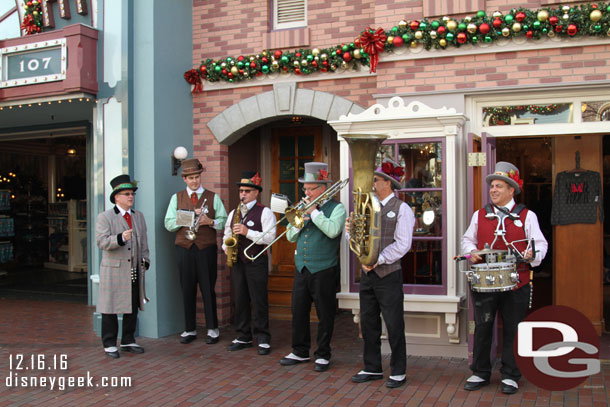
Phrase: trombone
(295, 215)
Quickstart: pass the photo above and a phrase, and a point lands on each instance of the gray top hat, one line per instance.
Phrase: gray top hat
(391, 171)
(315, 173)
(508, 173)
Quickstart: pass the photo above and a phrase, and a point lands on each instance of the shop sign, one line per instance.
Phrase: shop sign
(35, 63)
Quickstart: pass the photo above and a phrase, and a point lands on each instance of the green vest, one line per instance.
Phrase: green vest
(315, 250)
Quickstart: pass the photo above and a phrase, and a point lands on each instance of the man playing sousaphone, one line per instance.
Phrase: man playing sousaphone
(196, 258)
(246, 224)
(519, 224)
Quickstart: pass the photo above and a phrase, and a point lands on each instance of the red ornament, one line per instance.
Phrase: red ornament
(357, 42)
(338, 51)
(414, 25)
(203, 69)
(297, 71)
(529, 34)
(325, 63)
(241, 71)
(594, 6)
(484, 28)
(397, 41)
(277, 54)
(572, 29)
(497, 23)
(441, 30)
(265, 60)
(462, 38)
(230, 75)
(373, 42)
(558, 28)
(347, 56)
(520, 16)
(553, 20)
(252, 64)
(224, 71)
(240, 58)
(298, 55)
(314, 64)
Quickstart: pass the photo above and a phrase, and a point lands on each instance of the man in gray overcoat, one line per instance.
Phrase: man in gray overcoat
(121, 235)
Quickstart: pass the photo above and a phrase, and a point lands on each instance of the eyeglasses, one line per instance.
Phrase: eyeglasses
(245, 191)
(311, 189)
(127, 193)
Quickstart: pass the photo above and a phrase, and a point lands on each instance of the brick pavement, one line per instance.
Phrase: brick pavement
(197, 374)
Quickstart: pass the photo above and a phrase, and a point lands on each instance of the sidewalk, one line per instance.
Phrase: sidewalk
(170, 373)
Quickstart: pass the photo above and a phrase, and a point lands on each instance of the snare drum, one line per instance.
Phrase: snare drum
(493, 277)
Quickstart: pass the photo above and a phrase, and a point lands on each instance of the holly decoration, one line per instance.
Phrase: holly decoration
(587, 20)
(32, 17)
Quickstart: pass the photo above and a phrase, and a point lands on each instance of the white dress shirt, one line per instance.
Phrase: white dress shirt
(532, 231)
(268, 222)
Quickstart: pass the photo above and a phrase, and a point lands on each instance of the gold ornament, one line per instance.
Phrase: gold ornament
(472, 28)
(419, 35)
(551, 34)
(565, 9)
(296, 64)
(505, 32)
(442, 42)
(467, 19)
(316, 59)
(343, 65)
(246, 73)
(324, 57)
(357, 54)
(517, 27)
(542, 16)
(566, 16)
(413, 44)
(402, 24)
(223, 65)
(252, 58)
(390, 39)
(433, 34)
(445, 18)
(452, 25)
(315, 52)
(234, 70)
(264, 53)
(595, 16)
(333, 67)
(303, 62)
(497, 14)
(275, 64)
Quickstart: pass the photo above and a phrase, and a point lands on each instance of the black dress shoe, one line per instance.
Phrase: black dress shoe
(508, 389)
(392, 384)
(364, 377)
(238, 346)
(114, 354)
(263, 351)
(211, 340)
(132, 348)
(472, 386)
(188, 338)
(321, 367)
(290, 361)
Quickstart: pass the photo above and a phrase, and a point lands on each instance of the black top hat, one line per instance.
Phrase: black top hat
(250, 179)
(121, 183)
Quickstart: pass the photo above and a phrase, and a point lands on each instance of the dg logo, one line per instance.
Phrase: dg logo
(557, 348)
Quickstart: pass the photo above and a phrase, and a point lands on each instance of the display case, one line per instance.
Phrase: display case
(68, 236)
(7, 227)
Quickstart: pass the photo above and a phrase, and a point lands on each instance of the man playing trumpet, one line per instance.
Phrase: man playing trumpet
(249, 222)
(197, 258)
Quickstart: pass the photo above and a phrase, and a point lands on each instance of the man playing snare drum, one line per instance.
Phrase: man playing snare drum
(519, 224)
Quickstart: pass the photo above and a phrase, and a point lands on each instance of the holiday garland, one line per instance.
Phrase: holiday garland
(502, 115)
(32, 17)
(584, 20)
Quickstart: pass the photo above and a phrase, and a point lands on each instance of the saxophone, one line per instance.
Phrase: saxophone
(365, 220)
(231, 242)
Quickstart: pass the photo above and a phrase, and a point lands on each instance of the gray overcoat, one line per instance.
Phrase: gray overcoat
(115, 269)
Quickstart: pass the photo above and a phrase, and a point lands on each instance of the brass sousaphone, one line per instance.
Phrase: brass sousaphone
(365, 227)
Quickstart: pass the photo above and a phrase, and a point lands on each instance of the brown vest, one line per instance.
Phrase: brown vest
(388, 225)
(206, 236)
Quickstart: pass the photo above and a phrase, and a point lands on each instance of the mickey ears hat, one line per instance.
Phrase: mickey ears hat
(122, 183)
(508, 173)
(250, 179)
(191, 166)
(315, 173)
(391, 171)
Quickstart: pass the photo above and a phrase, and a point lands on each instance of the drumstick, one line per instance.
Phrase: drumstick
(464, 257)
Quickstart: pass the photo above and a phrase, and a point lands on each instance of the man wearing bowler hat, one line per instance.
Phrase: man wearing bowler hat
(197, 258)
(251, 221)
(121, 235)
(316, 275)
(519, 224)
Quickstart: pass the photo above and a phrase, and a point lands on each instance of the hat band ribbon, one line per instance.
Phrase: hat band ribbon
(123, 186)
(246, 181)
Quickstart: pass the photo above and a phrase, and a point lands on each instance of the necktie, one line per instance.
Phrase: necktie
(194, 198)
(502, 211)
(243, 209)
(127, 217)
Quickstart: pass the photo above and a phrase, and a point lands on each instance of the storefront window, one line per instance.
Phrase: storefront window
(527, 114)
(596, 111)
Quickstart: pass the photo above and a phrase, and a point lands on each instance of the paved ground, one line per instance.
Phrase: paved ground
(197, 374)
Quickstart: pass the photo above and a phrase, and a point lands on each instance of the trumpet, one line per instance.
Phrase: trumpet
(191, 232)
(295, 215)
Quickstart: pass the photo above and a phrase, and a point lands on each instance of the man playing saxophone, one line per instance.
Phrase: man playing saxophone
(248, 222)
(316, 275)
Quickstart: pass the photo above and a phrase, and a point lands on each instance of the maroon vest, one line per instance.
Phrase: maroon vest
(485, 234)
(206, 236)
(254, 216)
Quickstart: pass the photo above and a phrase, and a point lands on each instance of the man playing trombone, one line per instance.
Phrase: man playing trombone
(316, 275)
(196, 248)
(250, 222)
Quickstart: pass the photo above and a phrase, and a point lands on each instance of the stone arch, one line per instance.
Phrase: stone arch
(284, 100)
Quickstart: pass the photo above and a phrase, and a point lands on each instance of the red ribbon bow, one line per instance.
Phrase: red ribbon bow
(194, 79)
(256, 180)
(373, 42)
(394, 172)
(515, 177)
(323, 175)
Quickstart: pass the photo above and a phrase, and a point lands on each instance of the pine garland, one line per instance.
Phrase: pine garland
(32, 17)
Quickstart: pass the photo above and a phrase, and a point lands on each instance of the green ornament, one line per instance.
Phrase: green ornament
(508, 19)
(229, 59)
(435, 24)
(462, 26)
(450, 36)
(284, 59)
(423, 25)
(345, 48)
(405, 37)
(394, 29)
(488, 39)
(537, 25)
(474, 39)
(526, 27)
(364, 55)
(608, 9)
(309, 58)
(597, 27)
(265, 69)
(231, 80)
(240, 64)
(217, 69)
(545, 30)
(480, 14)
